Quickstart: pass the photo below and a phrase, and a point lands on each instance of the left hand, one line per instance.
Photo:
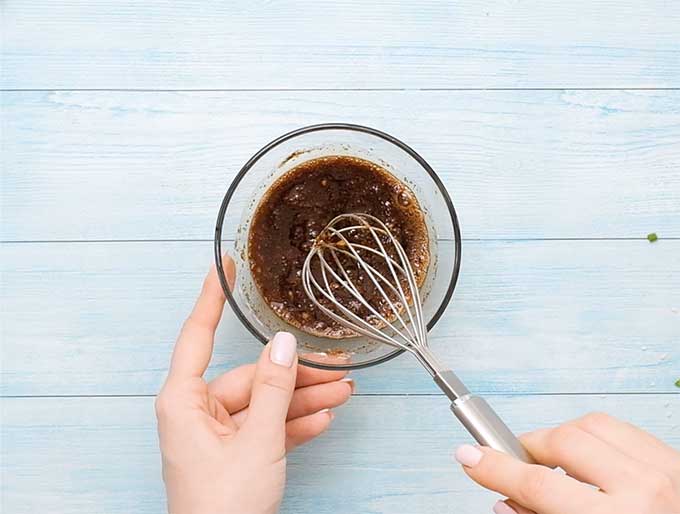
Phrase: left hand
(224, 443)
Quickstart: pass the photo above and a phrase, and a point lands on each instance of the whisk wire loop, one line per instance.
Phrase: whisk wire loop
(395, 312)
(402, 325)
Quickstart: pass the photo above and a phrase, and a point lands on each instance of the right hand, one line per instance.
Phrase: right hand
(634, 472)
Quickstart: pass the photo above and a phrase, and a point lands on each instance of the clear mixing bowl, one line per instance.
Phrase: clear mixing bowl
(282, 155)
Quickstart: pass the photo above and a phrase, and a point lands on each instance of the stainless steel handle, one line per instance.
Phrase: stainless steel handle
(487, 427)
(479, 418)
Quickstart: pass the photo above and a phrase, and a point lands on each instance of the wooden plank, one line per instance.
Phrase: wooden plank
(528, 164)
(344, 44)
(533, 316)
(389, 454)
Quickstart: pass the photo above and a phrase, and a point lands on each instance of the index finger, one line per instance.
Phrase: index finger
(534, 486)
(233, 388)
(632, 441)
(194, 345)
(310, 376)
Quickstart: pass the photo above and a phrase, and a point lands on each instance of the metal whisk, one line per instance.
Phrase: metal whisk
(358, 252)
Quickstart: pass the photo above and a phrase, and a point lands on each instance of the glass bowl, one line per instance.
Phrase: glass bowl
(282, 155)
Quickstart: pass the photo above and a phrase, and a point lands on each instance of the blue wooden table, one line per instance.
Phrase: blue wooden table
(555, 126)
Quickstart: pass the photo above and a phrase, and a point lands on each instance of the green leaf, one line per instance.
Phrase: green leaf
(652, 237)
(677, 383)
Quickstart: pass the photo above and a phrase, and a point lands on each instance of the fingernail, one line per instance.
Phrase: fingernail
(503, 508)
(282, 351)
(468, 455)
(331, 414)
(351, 383)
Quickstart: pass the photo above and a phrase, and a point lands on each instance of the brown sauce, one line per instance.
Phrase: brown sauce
(297, 207)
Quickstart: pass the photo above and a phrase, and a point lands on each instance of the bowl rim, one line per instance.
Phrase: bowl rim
(335, 126)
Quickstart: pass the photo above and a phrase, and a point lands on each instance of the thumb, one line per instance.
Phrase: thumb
(536, 487)
(273, 386)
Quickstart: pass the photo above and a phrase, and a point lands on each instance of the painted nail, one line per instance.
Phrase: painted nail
(503, 508)
(351, 383)
(282, 351)
(468, 455)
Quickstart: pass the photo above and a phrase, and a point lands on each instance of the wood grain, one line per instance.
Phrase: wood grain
(518, 164)
(167, 44)
(382, 454)
(555, 127)
(532, 316)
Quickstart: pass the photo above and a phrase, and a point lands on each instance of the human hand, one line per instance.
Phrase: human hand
(224, 443)
(635, 472)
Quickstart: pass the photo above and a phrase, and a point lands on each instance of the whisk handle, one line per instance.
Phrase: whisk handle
(487, 427)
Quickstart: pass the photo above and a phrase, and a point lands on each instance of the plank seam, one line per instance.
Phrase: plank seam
(292, 90)
(386, 395)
